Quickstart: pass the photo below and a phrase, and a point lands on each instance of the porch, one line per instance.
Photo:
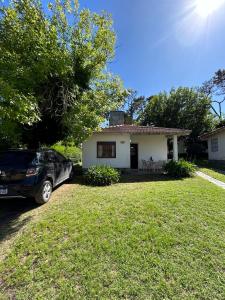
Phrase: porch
(149, 153)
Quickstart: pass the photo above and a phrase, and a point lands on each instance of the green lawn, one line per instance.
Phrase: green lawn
(214, 170)
(213, 173)
(161, 239)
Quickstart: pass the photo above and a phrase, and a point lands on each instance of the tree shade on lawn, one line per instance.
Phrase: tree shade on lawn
(152, 239)
(214, 173)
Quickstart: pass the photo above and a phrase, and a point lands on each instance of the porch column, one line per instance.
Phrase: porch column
(175, 148)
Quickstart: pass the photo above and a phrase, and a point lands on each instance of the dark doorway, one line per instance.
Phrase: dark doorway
(134, 156)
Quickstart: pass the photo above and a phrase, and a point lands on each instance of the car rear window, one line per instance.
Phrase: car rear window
(16, 157)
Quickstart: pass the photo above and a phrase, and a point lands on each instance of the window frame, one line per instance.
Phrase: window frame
(105, 143)
(214, 144)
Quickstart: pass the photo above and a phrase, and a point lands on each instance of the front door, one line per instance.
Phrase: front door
(134, 156)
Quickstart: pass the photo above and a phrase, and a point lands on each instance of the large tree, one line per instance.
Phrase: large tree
(215, 88)
(180, 108)
(54, 82)
(133, 106)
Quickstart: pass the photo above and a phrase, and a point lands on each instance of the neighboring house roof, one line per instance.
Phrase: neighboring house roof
(207, 135)
(135, 129)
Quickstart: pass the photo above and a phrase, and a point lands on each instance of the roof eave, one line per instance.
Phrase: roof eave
(206, 136)
(183, 133)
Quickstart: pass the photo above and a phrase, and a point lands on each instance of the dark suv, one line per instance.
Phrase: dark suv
(26, 173)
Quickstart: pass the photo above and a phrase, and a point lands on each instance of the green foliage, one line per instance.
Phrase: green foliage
(220, 123)
(101, 175)
(9, 134)
(180, 108)
(215, 88)
(180, 169)
(53, 69)
(68, 150)
(133, 106)
(214, 172)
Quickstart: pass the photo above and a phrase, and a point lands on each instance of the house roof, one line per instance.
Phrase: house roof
(206, 135)
(135, 129)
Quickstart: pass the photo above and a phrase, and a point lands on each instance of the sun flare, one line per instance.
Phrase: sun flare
(204, 8)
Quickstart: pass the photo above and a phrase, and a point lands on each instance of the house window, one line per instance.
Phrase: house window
(214, 145)
(106, 149)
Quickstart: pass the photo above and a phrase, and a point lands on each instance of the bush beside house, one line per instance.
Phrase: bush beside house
(180, 169)
(101, 175)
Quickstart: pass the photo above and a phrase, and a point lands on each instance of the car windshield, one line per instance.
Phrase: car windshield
(16, 157)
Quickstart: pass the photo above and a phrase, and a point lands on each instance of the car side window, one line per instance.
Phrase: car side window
(39, 158)
(59, 157)
(50, 156)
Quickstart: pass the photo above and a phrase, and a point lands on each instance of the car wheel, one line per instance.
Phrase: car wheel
(45, 192)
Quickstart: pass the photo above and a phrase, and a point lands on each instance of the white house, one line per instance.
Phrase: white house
(129, 146)
(216, 144)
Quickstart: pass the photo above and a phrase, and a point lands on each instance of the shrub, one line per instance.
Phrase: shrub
(180, 169)
(69, 151)
(101, 175)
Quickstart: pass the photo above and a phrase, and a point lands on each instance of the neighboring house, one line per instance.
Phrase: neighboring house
(216, 144)
(129, 146)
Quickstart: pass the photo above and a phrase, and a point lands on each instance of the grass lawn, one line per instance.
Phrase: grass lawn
(213, 170)
(213, 173)
(161, 239)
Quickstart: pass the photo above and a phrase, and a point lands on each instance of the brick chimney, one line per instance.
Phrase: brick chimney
(116, 118)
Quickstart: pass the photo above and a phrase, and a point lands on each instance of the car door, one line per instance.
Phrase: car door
(54, 166)
(65, 166)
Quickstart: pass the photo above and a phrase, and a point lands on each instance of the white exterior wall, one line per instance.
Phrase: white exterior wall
(154, 146)
(220, 154)
(122, 160)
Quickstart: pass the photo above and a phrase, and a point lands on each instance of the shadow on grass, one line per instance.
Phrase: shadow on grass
(76, 180)
(217, 170)
(216, 167)
(10, 212)
(132, 178)
(12, 209)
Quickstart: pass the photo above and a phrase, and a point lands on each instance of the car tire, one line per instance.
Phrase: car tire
(44, 193)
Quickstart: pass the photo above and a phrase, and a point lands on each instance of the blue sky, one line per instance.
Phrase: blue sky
(164, 43)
